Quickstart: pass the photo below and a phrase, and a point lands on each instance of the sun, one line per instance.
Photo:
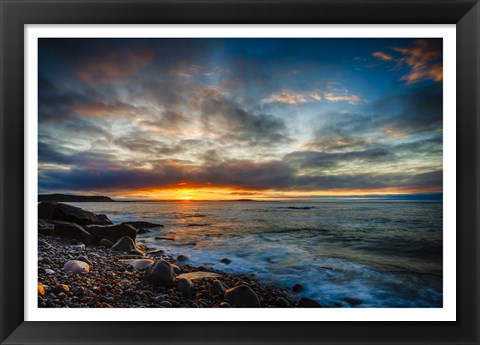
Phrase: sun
(186, 198)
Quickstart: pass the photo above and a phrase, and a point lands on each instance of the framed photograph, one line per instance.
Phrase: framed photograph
(287, 168)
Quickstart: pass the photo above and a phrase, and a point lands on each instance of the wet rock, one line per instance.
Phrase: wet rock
(72, 230)
(106, 243)
(309, 303)
(111, 232)
(242, 296)
(139, 264)
(156, 252)
(225, 261)
(124, 245)
(168, 238)
(47, 261)
(352, 301)
(41, 290)
(199, 275)
(282, 302)
(218, 287)
(44, 227)
(297, 287)
(160, 273)
(142, 231)
(182, 257)
(140, 224)
(76, 266)
(84, 259)
(177, 269)
(64, 212)
(185, 286)
(61, 288)
(49, 271)
(224, 305)
(166, 304)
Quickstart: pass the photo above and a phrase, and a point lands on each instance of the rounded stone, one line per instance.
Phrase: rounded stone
(242, 296)
(185, 286)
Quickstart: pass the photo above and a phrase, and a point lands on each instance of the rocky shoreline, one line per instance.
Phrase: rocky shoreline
(84, 261)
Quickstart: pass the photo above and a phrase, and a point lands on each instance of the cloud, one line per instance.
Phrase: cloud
(285, 97)
(383, 56)
(352, 99)
(424, 59)
(110, 65)
(315, 95)
(236, 123)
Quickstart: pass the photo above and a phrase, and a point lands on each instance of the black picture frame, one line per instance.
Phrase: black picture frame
(17, 13)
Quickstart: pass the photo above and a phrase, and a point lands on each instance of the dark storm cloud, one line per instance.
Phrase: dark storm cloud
(47, 154)
(243, 125)
(312, 159)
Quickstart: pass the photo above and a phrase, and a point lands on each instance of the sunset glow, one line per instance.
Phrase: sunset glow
(228, 119)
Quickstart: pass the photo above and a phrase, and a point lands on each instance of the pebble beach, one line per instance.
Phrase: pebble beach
(84, 261)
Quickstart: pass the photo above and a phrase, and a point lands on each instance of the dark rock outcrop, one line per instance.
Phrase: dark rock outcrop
(140, 224)
(64, 212)
(111, 232)
(72, 230)
(44, 227)
(125, 245)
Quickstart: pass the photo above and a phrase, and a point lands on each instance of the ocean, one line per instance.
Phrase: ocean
(384, 254)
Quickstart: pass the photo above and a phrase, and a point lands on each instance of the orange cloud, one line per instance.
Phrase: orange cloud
(383, 56)
(352, 99)
(424, 59)
(315, 96)
(285, 97)
(113, 65)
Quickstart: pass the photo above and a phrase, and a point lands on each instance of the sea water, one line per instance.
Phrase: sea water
(382, 253)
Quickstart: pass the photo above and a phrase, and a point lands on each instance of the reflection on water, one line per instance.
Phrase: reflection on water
(388, 254)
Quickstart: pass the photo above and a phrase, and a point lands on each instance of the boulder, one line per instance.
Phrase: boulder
(185, 286)
(106, 243)
(140, 225)
(218, 288)
(84, 259)
(182, 257)
(72, 230)
(111, 232)
(242, 296)
(125, 245)
(44, 227)
(161, 273)
(297, 287)
(225, 261)
(139, 264)
(352, 300)
(309, 303)
(176, 269)
(64, 212)
(76, 266)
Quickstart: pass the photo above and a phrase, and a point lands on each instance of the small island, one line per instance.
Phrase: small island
(73, 198)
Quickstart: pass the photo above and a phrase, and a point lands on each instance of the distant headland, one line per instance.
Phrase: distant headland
(73, 198)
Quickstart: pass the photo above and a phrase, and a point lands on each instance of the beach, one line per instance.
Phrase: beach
(74, 272)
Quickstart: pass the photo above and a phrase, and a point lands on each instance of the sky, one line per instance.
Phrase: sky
(220, 119)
